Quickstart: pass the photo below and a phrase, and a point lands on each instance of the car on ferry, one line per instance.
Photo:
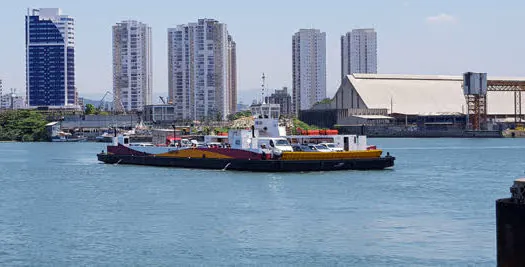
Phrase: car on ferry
(302, 148)
(319, 148)
(332, 147)
(277, 144)
(141, 144)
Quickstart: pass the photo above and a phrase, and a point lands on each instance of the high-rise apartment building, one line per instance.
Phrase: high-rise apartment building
(283, 98)
(359, 52)
(232, 68)
(309, 68)
(50, 58)
(132, 66)
(202, 70)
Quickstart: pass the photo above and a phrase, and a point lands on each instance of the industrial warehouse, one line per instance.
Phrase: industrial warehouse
(420, 105)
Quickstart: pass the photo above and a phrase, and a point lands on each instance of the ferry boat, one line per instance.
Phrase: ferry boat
(263, 148)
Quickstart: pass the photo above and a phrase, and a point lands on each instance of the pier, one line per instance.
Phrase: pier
(510, 227)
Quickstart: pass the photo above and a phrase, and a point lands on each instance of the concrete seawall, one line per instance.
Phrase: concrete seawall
(412, 132)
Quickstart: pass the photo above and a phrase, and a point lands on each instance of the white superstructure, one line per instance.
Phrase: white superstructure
(359, 52)
(202, 73)
(309, 68)
(132, 66)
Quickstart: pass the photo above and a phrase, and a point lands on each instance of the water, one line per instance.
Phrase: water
(58, 206)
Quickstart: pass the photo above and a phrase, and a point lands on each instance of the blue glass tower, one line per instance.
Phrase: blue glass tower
(50, 58)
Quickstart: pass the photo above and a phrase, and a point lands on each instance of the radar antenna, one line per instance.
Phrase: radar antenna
(262, 89)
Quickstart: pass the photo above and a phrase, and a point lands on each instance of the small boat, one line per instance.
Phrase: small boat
(104, 138)
(263, 148)
(67, 137)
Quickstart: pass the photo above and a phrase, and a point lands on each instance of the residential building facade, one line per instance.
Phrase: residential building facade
(202, 70)
(11, 101)
(50, 58)
(232, 68)
(283, 98)
(309, 68)
(132, 66)
(359, 52)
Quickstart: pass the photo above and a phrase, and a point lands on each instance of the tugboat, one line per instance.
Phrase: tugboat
(263, 148)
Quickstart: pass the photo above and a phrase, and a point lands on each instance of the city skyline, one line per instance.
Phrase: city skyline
(415, 38)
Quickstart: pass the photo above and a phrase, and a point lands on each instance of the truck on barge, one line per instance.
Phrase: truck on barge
(263, 148)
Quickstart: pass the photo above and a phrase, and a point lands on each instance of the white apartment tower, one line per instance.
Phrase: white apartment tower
(359, 52)
(202, 70)
(309, 68)
(132, 66)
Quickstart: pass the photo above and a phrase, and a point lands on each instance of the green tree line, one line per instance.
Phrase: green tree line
(22, 125)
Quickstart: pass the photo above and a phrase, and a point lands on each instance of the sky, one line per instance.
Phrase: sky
(446, 37)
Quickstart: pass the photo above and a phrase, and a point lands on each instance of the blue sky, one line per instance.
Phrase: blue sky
(414, 37)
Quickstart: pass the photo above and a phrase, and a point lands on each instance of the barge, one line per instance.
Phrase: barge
(263, 148)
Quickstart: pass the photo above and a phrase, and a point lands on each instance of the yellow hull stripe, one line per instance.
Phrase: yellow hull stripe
(367, 154)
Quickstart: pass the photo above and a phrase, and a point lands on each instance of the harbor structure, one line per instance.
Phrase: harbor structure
(160, 114)
(50, 58)
(132, 66)
(416, 104)
(202, 70)
(510, 227)
(359, 52)
(309, 68)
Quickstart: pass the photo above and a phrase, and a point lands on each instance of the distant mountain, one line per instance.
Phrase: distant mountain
(242, 107)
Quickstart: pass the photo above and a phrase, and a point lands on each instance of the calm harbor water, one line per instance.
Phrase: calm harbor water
(59, 206)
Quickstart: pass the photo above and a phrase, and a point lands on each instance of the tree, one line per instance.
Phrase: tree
(90, 109)
(22, 125)
(240, 114)
(325, 101)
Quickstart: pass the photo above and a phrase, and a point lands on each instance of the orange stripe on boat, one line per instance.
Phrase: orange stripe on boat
(366, 154)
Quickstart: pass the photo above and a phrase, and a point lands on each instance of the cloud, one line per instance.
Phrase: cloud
(441, 19)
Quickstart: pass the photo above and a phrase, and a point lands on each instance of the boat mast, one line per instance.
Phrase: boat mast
(263, 100)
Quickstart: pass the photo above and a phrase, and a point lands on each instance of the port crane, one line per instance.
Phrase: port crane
(117, 106)
(102, 100)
